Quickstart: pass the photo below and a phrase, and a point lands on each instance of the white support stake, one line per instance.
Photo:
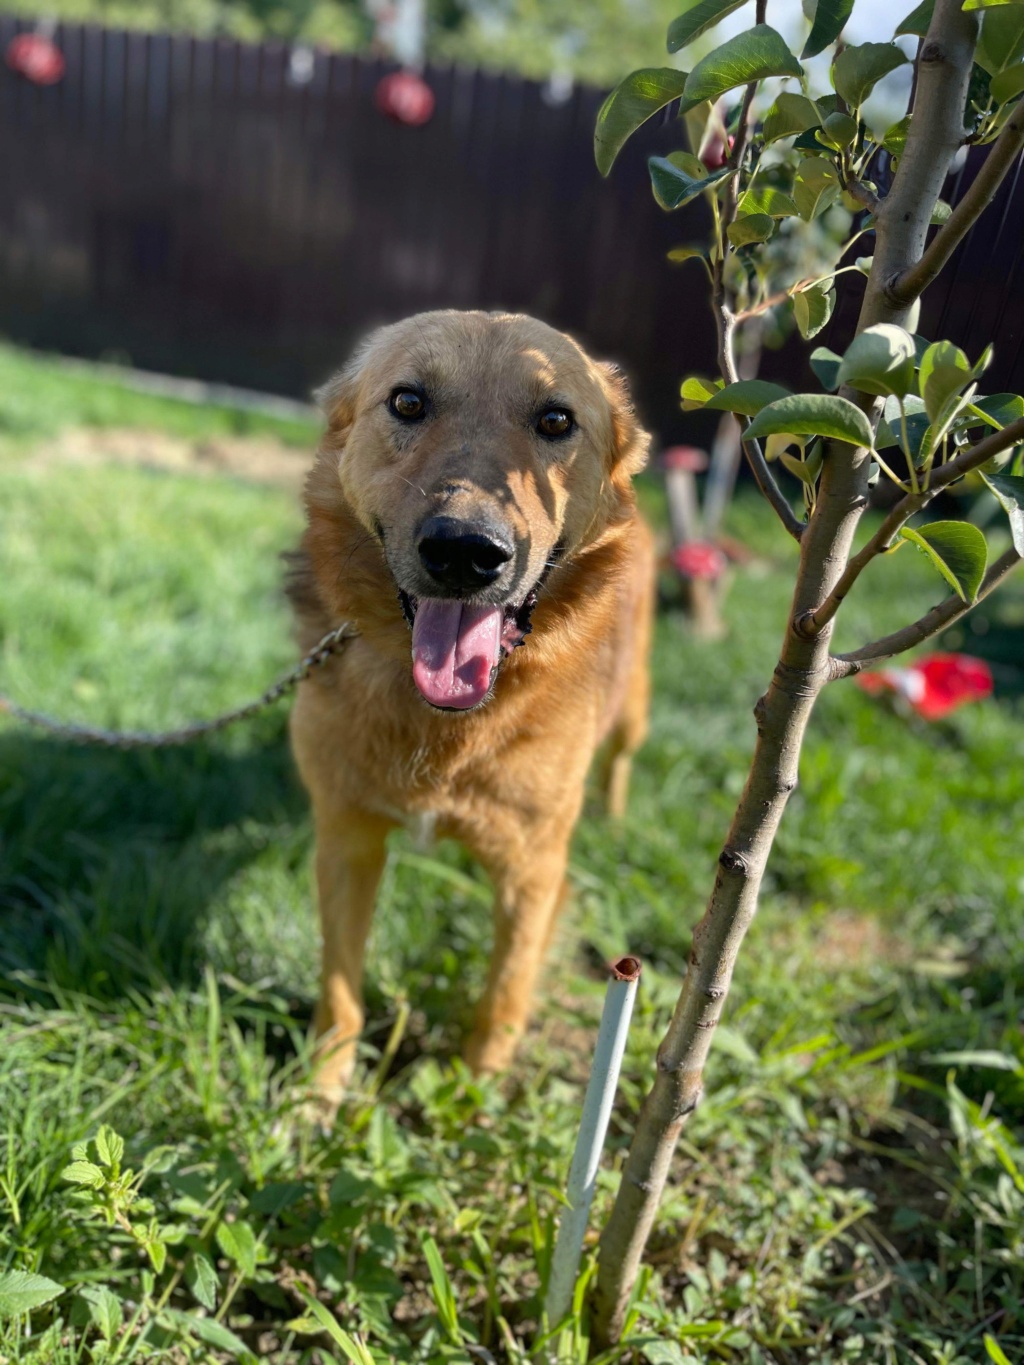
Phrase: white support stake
(597, 1109)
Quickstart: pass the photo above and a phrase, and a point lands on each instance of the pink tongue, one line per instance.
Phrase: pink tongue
(454, 649)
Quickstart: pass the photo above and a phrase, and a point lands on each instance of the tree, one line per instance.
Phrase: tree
(894, 404)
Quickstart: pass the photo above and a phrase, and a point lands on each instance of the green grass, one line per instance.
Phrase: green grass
(852, 1187)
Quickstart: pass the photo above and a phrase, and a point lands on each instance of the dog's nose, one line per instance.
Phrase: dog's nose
(462, 556)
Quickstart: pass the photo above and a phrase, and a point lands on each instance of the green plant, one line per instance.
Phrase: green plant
(895, 392)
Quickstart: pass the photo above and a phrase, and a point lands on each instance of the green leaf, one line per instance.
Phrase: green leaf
(940, 213)
(812, 308)
(1008, 84)
(444, 1294)
(800, 468)
(789, 114)
(856, 70)
(813, 414)
(969, 5)
(917, 20)
(750, 227)
(945, 371)
(830, 17)
(83, 1173)
(212, 1332)
(697, 17)
(201, 1278)
(816, 187)
(825, 364)
(839, 130)
(20, 1292)
(354, 1350)
(674, 181)
(632, 102)
(957, 549)
(1000, 408)
(1001, 41)
(109, 1146)
(895, 138)
(1009, 491)
(754, 55)
(104, 1310)
(695, 391)
(748, 396)
(880, 360)
(995, 1352)
(767, 199)
(238, 1243)
(686, 253)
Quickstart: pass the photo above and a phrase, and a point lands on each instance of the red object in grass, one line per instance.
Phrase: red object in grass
(934, 685)
(405, 98)
(36, 58)
(690, 458)
(699, 559)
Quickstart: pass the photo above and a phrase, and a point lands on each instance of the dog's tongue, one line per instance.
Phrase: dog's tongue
(454, 649)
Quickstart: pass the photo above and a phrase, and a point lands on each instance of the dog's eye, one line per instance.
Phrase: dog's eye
(555, 422)
(407, 404)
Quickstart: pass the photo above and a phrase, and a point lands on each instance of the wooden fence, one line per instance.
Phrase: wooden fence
(218, 209)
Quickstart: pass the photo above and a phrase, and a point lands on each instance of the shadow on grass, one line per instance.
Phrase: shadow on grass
(110, 861)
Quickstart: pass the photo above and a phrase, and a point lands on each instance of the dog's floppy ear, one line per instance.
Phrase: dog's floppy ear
(337, 398)
(631, 442)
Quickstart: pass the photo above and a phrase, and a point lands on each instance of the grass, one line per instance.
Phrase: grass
(852, 1187)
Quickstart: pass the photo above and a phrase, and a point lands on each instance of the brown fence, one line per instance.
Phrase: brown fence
(196, 207)
(186, 204)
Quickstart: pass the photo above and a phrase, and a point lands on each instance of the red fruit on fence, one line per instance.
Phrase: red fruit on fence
(36, 58)
(405, 98)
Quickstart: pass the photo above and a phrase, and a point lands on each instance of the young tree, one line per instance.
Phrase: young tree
(892, 404)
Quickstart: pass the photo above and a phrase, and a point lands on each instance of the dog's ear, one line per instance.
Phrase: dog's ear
(631, 443)
(337, 398)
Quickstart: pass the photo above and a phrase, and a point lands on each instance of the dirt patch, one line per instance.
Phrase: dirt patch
(258, 459)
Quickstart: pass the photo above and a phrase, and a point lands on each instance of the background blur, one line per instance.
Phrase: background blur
(233, 191)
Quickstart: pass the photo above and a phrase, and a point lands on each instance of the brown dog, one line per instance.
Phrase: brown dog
(471, 495)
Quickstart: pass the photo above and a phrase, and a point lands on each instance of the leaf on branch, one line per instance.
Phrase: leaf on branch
(697, 17)
(880, 360)
(940, 213)
(839, 131)
(1000, 409)
(695, 392)
(201, 1278)
(1001, 41)
(957, 549)
(825, 364)
(813, 414)
(755, 55)
(945, 371)
(857, 70)
(20, 1292)
(208, 1330)
(813, 307)
(767, 199)
(917, 20)
(750, 227)
(1009, 492)
(969, 5)
(789, 114)
(632, 102)
(104, 1310)
(895, 138)
(678, 178)
(1008, 84)
(686, 253)
(803, 471)
(830, 18)
(84, 1173)
(816, 187)
(748, 396)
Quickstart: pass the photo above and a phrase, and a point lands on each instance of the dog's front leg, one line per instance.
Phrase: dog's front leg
(350, 854)
(528, 895)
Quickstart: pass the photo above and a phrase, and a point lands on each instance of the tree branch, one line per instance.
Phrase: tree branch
(941, 616)
(813, 622)
(905, 287)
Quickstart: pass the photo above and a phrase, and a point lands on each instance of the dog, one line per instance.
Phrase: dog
(471, 513)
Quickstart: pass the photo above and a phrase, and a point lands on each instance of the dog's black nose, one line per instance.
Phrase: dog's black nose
(462, 556)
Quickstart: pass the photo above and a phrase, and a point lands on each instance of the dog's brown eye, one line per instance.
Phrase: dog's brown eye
(555, 422)
(407, 404)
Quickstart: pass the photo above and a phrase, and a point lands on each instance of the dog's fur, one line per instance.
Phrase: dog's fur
(507, 777)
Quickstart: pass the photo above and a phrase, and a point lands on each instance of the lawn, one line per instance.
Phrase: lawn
(852, 1187)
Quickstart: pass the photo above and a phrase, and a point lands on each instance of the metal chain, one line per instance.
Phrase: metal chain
(331, 644)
